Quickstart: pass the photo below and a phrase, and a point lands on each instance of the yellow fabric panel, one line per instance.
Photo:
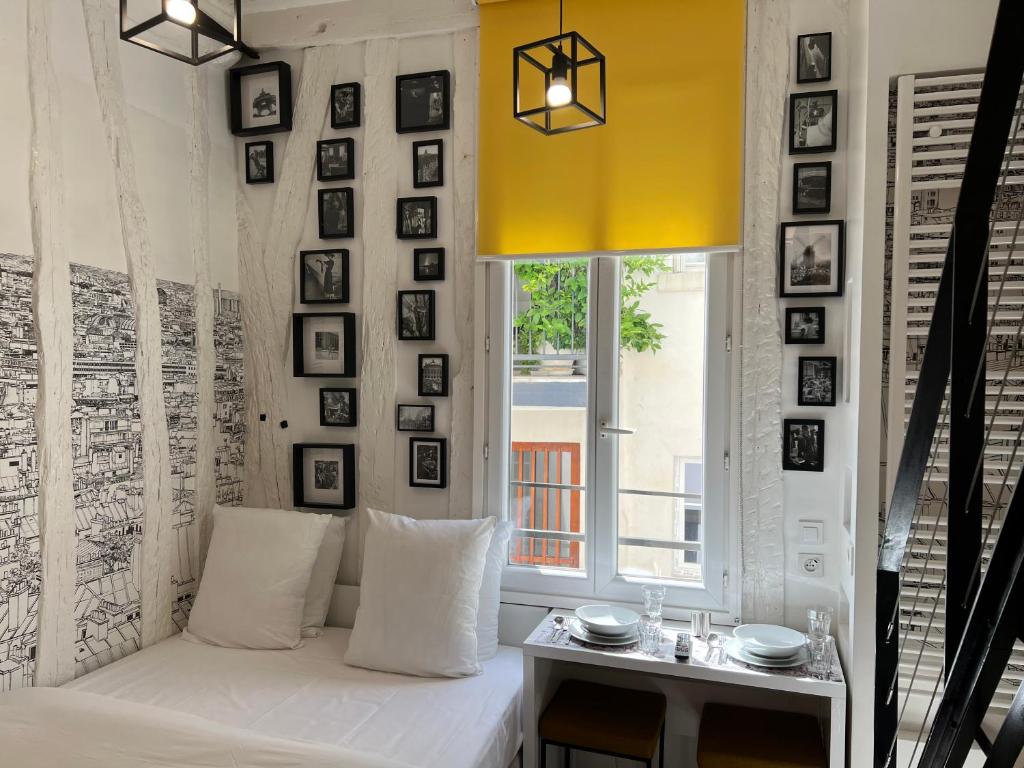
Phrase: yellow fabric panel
(665, 172)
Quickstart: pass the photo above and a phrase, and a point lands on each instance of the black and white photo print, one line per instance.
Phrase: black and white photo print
(803, 445)
(335, 160)
(811, 258)
(812, 187)
(433, 376)
(259, 162)
(814, 58)
(428, 462)
(812, 122)
(417, 218)
(345, 106)
(327, 345)
(338, 407)
(422, 102)
(323, 277)
(335, 213)
(816, 383)
(428, 264)
(415, 418)
(805, 325)
(324, 344)
(428, 163)
(323, 475)
(416, 315)
(261, 99)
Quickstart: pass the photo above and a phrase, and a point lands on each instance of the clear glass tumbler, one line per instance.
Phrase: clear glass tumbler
(819, 621)
(654, 598)
(649, 630)
(821, 649)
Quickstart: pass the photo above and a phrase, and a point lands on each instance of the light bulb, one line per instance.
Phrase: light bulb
(559, 93)
(181, 11)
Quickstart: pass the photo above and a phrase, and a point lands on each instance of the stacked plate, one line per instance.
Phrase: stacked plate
(767, 645)
(604, 625)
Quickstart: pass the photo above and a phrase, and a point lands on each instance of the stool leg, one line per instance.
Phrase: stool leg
(568, 754)
(661, 747)
(543, 754)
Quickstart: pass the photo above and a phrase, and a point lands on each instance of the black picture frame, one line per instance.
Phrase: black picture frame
(283, 99)
(812, 330)
(803, 107)
(808, 282)
(338, 118)
(807, 188)
(331, 230)
(427, 264)
(426, 373)
(423, 102)
(346, 327)
(423, 175)
(314, 278)
(797, 455)
(416, 313)
(324, 170)
(407, 227)
(416, 461)
(810, 371)
(267, 176)
(428, 427)
(812, 67)
(329, 411)
(347, 483)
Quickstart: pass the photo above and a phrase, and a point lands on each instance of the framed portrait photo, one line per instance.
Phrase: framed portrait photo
(335, 160)
(414, 418)
(323, 277)
(259, 162)
(814, 58)
(428, 163)
(812, 122)
(260, 99)
(335, 213)
(805, 325)
(417, 218)
(416, 315)
(427, 264)
(812, 187)
(345, 105)
(816, 383)
(811, 258)
(428, 462)
(803, 445)
(423, 102)
(323, 475)
(432, 376)
(324, 344)
(338, 407)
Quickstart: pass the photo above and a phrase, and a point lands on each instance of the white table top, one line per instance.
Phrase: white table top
(795, 680)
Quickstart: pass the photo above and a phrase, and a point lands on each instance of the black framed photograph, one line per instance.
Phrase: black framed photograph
(812, 122)
(259, 162)
(261, 99)
(811, 258)
(416, 315)
(338, 407)
(805, 325)
(428, 163)
(335, 213)
(432, 376)
(324, 277)
(816, 384)
(428, 462)
(814, 57)
(427, 264)
(423, 102)
(812, 187)
(803, 445)
(414, 418)
(324, 344)
(323, 475)
(417, 218)
(345, 105)
(335, 160)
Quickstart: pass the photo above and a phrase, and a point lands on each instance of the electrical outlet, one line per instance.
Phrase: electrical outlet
(812, 564)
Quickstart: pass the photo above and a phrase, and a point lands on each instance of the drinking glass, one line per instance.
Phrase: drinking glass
(650, 634)
(653, 597)
(819, 621)
(821, 650)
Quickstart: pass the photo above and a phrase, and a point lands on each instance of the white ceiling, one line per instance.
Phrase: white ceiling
(258, 6)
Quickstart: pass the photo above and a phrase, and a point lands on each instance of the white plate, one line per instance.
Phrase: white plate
(578, 630)
(770, 640)
(608, 621)
(734, 648)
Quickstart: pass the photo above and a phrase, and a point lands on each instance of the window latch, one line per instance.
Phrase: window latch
(610, 429)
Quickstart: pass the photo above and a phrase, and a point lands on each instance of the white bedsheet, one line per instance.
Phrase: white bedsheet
(309, 694)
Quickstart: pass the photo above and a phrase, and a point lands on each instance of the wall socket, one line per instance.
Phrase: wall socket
(812, 564)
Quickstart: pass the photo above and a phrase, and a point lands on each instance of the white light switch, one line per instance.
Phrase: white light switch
(812, 533)
(812, 564)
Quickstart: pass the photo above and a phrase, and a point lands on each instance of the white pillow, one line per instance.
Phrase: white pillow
(257, 571)
(325, 573)
(419, 596)
(490, 592)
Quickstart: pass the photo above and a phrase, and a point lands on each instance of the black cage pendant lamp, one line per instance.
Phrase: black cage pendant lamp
(184, 31)
(559, 83)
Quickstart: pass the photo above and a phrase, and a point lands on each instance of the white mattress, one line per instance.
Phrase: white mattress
(310, 694)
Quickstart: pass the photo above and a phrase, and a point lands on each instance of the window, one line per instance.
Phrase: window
(608, 422)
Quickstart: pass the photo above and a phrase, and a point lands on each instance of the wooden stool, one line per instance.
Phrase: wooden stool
(609, 721)
(731, 737)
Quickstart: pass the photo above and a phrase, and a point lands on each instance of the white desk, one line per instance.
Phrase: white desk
(540, 657)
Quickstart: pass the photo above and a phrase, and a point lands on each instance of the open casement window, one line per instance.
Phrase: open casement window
(608, 405)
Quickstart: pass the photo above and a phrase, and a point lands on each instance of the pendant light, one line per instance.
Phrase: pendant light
(184, 31)
(546, 79)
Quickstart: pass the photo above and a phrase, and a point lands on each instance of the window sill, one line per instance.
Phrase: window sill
(571, 602)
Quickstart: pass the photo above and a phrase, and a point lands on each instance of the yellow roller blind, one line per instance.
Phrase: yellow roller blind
(665, 172)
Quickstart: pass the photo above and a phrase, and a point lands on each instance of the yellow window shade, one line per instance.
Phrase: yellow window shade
(665, 172)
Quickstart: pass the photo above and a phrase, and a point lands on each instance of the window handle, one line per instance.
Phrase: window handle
(611, 429)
